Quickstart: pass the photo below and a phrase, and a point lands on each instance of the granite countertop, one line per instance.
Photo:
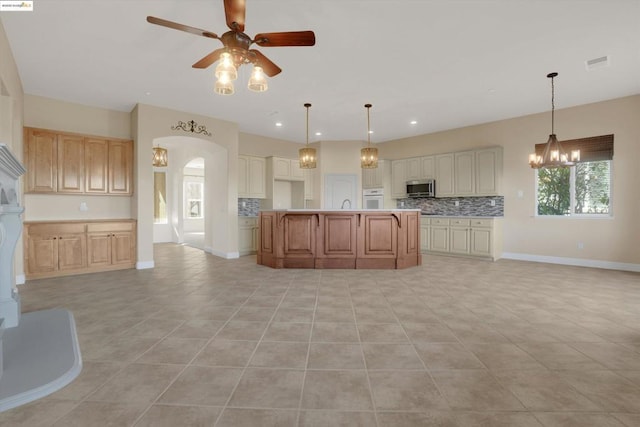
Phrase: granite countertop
(341, 210)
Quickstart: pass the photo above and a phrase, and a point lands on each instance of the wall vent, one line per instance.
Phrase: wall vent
(600, 62)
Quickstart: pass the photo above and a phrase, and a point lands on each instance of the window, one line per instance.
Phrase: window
(159, 198)
(581, 190)
(585, 189)
(193, 199)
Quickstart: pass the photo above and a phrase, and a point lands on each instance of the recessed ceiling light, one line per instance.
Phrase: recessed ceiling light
(492, 90)
(279, 124)
(318, 133)
(413, 122)
(370, 131)
(147, 93)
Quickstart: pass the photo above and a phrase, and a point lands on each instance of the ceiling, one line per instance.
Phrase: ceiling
(443, 63)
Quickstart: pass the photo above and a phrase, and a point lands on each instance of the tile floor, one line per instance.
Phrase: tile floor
(201, 341)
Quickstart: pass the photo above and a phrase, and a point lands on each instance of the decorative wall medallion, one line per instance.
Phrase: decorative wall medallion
(191, 126)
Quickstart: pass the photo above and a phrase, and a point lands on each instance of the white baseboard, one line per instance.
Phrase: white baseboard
(225, 255)
(143, 265)
(579, 262)
(20, 279)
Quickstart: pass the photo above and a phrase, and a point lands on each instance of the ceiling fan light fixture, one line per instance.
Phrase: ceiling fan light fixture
(226, 68)
(258, 80)
(224, 87)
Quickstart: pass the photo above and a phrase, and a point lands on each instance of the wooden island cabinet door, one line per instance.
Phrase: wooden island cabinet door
(299, 240)
(377, 241)
(337, 247)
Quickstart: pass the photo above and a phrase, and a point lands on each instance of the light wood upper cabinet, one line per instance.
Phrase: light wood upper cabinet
(251, 177)
(70, 164)
(77, 164)
(96, 154)
(120, 167)
(41, 158)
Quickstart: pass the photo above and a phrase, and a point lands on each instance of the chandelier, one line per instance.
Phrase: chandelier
(307, 154)
(553, 155)
(369, 154)
(160, 157)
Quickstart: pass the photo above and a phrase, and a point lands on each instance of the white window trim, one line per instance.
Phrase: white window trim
(572, 194)
(186, 201)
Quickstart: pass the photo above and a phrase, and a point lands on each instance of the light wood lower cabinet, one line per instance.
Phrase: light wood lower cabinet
(77, 247)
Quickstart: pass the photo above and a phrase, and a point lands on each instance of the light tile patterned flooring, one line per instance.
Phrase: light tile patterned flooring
(201, 341)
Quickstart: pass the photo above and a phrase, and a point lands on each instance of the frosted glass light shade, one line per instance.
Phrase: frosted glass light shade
(258, 82)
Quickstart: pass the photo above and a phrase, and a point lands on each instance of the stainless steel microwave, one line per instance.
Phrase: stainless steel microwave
(421, 188)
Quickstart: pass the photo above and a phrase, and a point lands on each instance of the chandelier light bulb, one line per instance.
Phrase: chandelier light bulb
(258, 81)
(225, 66)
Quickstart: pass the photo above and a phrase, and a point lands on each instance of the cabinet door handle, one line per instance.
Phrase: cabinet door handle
(55, 238)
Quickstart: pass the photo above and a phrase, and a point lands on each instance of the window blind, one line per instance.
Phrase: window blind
(592, 149)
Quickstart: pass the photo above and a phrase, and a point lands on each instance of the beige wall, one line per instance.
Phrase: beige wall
(611, 240)
(220, 151)
(261, 146)
(11, 110)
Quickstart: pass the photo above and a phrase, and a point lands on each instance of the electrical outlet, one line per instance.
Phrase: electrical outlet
(493, 202)
(520, 194)
(580, 245)
(83, 207)
(457, 203)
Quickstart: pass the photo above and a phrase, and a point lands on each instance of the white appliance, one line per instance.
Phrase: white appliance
(373, 198)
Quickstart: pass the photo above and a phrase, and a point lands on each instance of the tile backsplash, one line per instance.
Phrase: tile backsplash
(467, 206)
(248, 207)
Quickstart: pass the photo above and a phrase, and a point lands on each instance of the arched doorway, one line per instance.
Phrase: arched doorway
(193, 203)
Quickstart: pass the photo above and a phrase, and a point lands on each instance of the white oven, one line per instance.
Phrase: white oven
(373, 198)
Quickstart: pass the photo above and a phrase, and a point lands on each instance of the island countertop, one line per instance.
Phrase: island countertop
(339, 238)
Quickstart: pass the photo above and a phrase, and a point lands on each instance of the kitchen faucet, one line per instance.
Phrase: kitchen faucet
(345, 201)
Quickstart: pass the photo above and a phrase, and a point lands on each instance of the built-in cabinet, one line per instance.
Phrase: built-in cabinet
(76, 247)
(375, 178)
(247, 235)
(479, 237)
(287, 169)
(251, 177)
(67, 163)
(461, 174)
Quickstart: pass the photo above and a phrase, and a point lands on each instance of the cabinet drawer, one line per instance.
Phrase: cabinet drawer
(109, 226)
(482, 223)
(439, 221)
(459, 222)
(247, 222)
(35, 229)
(425, 221)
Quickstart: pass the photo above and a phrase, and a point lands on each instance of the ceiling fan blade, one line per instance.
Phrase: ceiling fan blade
(234, 11)
(290, 38)
(269, 68)
(181, 27)
(209, 59)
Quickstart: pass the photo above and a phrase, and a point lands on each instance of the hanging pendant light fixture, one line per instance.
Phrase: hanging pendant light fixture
(307, 154)
(553, 155)
(160, 157)
(369, 154)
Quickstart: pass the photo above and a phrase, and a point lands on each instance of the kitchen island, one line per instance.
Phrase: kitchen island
(349, 239)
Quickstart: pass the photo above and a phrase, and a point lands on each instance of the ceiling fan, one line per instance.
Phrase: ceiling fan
(236, 48)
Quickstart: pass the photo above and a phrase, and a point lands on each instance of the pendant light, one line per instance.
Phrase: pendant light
(307, 154)
(369, 154)
(553, 155)
(160, 157)
(258, 81)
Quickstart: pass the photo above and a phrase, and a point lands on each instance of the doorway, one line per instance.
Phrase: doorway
(341, 191)
(193, 203)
